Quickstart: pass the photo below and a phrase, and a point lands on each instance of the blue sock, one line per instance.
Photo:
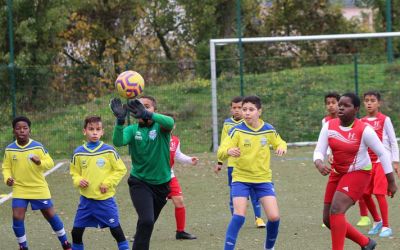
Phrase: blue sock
(58, 228)
(272, 233)
(19, 231)
(77, 246)
(233, 231)
(123, 245)
(255, 203)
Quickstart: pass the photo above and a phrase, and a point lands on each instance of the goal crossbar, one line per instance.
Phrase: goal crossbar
(226, 41)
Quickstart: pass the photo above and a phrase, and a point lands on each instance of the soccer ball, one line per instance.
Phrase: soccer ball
(129, 84)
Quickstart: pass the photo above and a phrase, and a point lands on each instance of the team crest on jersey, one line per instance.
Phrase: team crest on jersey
(138, 136)
(100, 162)
(152, 134)
(84, 163)
(14, 157)
(377, 125)
(263, 141)
(247, 143)
(172, 146)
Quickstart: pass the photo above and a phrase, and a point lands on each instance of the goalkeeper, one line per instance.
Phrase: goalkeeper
(148, 142)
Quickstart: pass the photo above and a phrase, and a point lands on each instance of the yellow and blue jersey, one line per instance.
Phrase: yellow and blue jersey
(100, 165)
(253, 164)
(228, 124)
(29, 180)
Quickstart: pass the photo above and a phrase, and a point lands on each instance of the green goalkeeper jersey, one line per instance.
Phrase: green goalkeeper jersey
(149, 148)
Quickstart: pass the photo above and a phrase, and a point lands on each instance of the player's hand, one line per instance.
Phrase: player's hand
(84, 183)
(10, 181)
(217, 168)
(235, 152)
(35, 159)
(396, 168)
(392, 189)
(103, 188)
(118, 110)
(195, 160)
(330, 158)
(138, 110)
(280, 151)
(322, 168)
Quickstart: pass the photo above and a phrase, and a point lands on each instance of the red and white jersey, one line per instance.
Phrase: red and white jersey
(175, 153)
(384, 129)
(350, 145)
(326, 119)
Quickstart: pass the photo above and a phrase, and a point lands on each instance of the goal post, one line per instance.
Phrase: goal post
(226, 41)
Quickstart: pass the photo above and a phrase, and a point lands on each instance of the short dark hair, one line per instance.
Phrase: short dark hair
(91, 119)
(355, 100)
(332, 95)
(152, 99)
(236, 99)
(21, 119)
(374, 93)
(253, 99)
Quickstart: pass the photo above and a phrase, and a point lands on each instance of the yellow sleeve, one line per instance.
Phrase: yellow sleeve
(6, 167)
(229, 142)
(224, 134)
(276, 141)
(119, 170)
(75, 172)
(46, 162)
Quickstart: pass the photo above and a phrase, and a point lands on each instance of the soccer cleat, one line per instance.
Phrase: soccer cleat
(364, 221)
(377, 226)
(259, 222)
(184, 236)
(66, 246)
(371, 245)
(23, 248)
(386, 232)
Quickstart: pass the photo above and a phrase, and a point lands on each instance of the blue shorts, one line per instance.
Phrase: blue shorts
(36, 204)
(97, 213)
(242, 189)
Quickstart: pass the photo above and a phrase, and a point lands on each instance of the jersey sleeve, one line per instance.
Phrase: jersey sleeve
(277, 142)
(46, 162)
(122, 136)
(322, 144)
(6, 167)
(229, 142)
(119, 170)
(181, 157)
(372, 141)
(393, 145)
(166, 122)
(75, 171)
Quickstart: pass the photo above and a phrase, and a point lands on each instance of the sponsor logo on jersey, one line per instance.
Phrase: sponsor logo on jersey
(152, 134)
(263, 141)
(84, 164)
(138, 136)
(100, 162)
(247, 143)
(14, 157)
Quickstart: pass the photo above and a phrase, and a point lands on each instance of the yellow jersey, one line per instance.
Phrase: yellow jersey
(228, 124)
(29, 181)
(253, 164)
(100, 165)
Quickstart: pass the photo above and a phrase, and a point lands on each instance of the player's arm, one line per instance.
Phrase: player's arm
(122, 135)
(43, 160)
(320, 151)
(6, 169)
(166, 122)
(371, 140)
(224, 134)
(118, 171)
(75, 172)
(277, 143)
(184, 159)
(394, 147)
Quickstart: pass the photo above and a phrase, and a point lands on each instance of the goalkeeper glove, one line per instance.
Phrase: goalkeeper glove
(118, 110)
(137, 109)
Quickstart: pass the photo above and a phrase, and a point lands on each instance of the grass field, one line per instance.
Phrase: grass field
(299, 188)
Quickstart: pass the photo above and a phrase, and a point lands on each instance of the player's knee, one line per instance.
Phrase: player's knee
(146, 223)
(77, 234)
(274, 217)
(336, 209)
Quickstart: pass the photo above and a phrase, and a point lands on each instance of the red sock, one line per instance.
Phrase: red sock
(383, 206)
(180, 217)
(338, 230)
(353, 234)
(371, 207)
(363, 207)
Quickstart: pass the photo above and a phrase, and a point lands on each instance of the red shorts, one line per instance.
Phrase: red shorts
(352, 184)
(175, 188)
(378, 184)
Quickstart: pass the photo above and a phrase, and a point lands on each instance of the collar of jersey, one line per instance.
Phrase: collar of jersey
(16, 142)
(237, 122)
(255, 129)
(95, 149)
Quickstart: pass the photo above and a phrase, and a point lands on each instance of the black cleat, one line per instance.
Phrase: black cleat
(23, 248)
(371, 245)
(66, 246)
(185, 236)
